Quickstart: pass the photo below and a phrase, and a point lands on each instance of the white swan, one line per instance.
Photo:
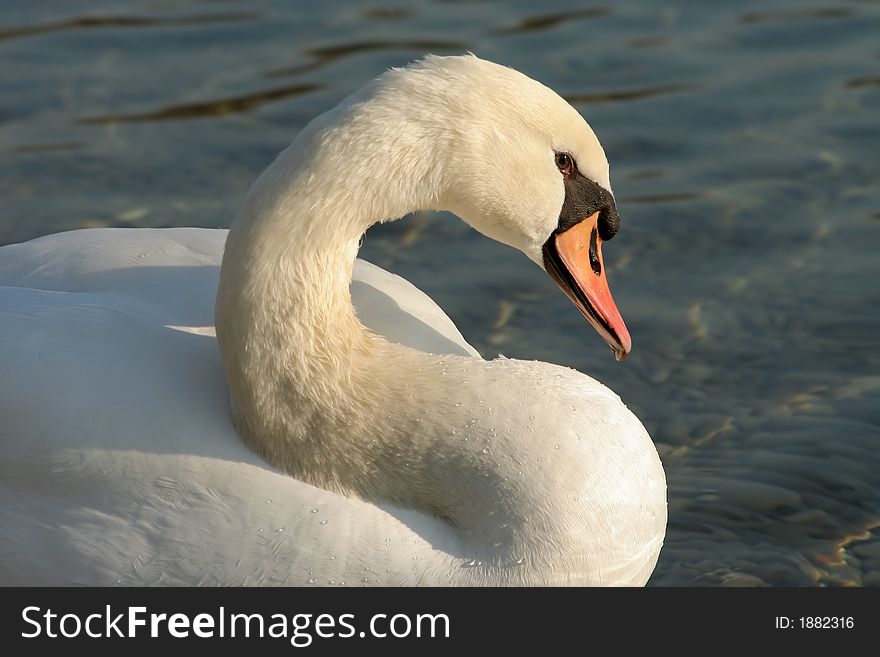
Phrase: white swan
(413, 460)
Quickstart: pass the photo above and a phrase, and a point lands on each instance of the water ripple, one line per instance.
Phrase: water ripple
(815, 13)
(861, 83)
(629, 94)
(209, 108)
(548, 21)
(323, 55)
(673, 197)
(90, 22)
(47, 147)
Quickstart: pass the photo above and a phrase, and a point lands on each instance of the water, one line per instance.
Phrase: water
(744, 146)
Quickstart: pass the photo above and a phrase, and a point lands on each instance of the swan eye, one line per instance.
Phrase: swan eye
(565, 164)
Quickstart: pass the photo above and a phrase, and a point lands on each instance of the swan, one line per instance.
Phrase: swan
(303, 417)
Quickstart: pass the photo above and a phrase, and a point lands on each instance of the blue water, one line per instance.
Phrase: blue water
(744, 141)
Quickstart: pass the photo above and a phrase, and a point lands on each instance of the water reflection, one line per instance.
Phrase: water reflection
(815, 13)
(208, 108)
(861, 83)
(546, 21)
(92, 22)
(324, 55)
(627, 94)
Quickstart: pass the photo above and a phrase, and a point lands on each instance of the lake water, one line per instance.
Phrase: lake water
(744, 141)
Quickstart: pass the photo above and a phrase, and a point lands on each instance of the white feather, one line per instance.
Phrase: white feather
(379, 448)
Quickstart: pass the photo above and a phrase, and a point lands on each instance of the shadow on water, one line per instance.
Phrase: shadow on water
(92, 22)
(862, 83)
(548, 21)
(208, 108)
(385, 13)
(48, 147)
(324, 55)
(629, 94)
(796, 15)
(663, 198)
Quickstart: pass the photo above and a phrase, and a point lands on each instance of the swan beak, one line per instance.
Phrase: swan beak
(580, 271)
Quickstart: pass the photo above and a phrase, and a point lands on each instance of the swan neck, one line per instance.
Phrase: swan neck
(324, 399)
(298, 362)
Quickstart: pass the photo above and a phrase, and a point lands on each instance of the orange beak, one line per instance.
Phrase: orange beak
(574, 259)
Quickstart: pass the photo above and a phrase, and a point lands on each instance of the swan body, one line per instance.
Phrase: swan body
(344, 432)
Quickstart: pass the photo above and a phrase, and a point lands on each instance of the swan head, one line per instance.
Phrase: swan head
(522, 166)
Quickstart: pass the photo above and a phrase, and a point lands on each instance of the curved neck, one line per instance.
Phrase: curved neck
(334, 405)
(311, 387)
